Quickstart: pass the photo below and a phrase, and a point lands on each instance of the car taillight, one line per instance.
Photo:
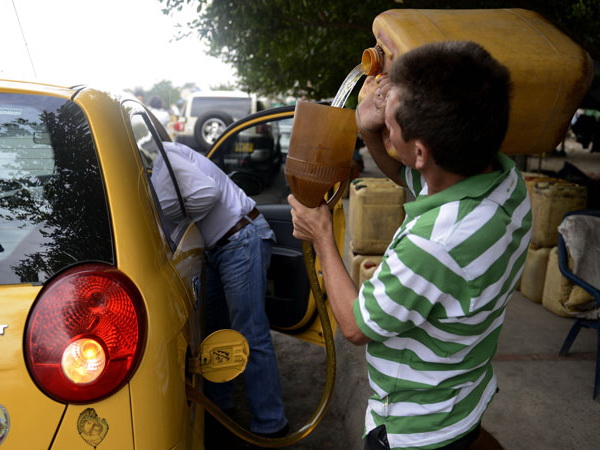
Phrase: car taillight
(85, 334)
(179, 125)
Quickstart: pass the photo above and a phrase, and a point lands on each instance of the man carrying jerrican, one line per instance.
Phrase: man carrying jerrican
(432, 312)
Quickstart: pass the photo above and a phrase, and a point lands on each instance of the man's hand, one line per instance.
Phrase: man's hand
(370, 119)
(310, 224)
(315, 225)
(370, 113)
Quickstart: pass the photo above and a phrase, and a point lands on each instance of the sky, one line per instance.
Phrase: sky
(115, 44)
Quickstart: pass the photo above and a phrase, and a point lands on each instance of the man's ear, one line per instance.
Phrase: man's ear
(422, 155)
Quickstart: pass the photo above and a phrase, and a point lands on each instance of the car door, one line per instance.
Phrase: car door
(290, 301)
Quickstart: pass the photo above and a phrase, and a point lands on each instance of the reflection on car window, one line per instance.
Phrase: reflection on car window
(53, 210)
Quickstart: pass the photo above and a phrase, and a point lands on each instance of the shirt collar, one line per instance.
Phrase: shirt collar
(474, 186)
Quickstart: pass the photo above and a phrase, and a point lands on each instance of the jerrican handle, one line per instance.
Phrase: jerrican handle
(338, 193)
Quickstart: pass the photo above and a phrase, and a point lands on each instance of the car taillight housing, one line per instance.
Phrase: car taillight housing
(85, 334)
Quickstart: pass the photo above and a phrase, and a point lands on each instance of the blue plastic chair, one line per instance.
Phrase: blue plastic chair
(593, 290)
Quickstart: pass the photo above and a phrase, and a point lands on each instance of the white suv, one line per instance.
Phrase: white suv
(204, 117)
(206, 114)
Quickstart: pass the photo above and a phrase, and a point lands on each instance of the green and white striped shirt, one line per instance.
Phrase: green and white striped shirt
(435, 306)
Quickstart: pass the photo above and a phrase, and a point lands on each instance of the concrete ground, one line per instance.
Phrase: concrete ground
(584, 159)
(544, 403)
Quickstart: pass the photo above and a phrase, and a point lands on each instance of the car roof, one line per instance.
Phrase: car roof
(38, 88)
(89, 98)
(54, 90)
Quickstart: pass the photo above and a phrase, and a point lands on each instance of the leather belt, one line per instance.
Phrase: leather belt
(237, 227)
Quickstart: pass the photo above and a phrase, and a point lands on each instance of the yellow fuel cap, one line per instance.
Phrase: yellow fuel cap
(223, 356)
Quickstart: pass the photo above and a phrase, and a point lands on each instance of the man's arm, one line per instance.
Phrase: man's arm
(315, 225)
(391, 168)
(199, 191)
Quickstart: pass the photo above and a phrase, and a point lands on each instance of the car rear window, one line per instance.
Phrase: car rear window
(53, 209)
(235, 107)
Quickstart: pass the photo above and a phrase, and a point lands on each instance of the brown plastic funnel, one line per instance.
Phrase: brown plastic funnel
(320, 152)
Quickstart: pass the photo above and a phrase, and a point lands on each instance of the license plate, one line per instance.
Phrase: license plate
(244, 147)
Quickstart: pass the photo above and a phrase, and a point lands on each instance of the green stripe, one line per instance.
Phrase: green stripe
(430, 268)
(490, 232)
(477, 355)
(427, 423)
(463, 329)
(466, 207)
(497, 269)
(425, 223)
(398, 293)
(476, 244)
(417, 183)
(363, 326)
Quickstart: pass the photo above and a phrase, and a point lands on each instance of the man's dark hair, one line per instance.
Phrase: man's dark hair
(455, 97)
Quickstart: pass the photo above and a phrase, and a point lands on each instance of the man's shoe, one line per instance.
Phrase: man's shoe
(276, 434)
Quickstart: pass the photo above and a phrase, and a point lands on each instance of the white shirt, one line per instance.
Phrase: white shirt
(162, 115)
(211, 199)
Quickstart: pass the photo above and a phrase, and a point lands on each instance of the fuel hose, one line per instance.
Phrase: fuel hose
(319, 413)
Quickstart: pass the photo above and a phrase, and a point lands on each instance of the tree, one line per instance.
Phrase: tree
(307, 47)
(166, 92)
(303, 48)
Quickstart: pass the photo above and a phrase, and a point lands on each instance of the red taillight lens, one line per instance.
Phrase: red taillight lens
(179, 125)
(85, 334)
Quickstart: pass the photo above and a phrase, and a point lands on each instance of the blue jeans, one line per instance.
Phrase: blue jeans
(236, 285)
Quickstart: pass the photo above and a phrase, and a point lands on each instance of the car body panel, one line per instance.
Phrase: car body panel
(151, 411)
(167, 276)
(24, 87)
(109, 426)
(18, 393)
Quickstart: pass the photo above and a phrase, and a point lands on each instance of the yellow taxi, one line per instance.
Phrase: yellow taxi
(101, 296)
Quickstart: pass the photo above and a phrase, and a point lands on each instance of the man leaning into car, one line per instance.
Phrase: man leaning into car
(239, 242)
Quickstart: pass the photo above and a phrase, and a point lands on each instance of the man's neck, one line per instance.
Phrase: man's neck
(439, 179)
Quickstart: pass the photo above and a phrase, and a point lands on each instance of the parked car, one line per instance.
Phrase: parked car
(285, 132)
(206, 114)
(102, 296)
